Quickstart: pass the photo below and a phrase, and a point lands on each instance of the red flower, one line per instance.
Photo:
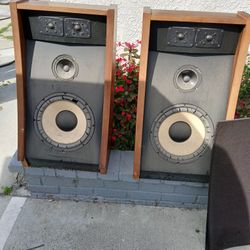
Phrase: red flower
(119, 89)
(237, 115)
(118, 73)
(119, 44)
(119, 59)
(124, 78)
(130, 69)
(242, 104)
(129, 117)
(123, 113)
(129, 81)
(113, 138)
(130, 45)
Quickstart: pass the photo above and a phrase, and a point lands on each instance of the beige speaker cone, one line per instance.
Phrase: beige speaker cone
(54, 132)
(192, 144)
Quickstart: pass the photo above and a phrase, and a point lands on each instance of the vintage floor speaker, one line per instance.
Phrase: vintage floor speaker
(64, 65)
(190, 73)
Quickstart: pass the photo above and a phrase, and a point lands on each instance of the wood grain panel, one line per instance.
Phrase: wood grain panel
(64, 7)
(141, 91)
(196, 16)
(108, 90)
(239, 64)
(19, 48)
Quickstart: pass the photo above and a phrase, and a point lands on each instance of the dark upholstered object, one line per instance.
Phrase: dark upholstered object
(228, 222)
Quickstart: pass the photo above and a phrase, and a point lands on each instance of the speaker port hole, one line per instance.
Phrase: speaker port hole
(66, 120)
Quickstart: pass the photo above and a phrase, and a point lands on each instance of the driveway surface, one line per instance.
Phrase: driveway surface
(44, 224)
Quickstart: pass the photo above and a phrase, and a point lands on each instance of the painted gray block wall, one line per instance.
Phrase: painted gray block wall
(116, 186)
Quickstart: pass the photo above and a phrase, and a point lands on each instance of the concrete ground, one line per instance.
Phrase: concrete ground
(8, 131)
(8, 121)
(6, 43)
(100, 226)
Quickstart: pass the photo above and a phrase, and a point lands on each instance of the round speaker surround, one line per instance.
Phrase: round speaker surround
(181, 133)
(187, 78)
(64, 121)
(64, 67)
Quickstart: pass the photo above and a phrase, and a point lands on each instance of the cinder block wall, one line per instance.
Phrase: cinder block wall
(117, 185)
(129, 21)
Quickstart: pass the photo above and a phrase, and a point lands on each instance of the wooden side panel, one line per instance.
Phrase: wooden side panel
(239, 63)
(64, 7)
(196, 16)
(141, 91)
(108, 90)
(19, 46)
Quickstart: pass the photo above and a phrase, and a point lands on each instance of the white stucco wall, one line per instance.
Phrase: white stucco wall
(129, 21)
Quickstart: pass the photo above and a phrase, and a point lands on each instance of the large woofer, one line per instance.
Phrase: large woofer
(187, 78)
(181, 133)
(65, 67)
(64, 121)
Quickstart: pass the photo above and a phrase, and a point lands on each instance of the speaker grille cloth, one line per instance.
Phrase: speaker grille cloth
(228, 222)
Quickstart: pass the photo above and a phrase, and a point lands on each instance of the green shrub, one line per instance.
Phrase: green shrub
(243, 106)
(125, 97)
(7, 190)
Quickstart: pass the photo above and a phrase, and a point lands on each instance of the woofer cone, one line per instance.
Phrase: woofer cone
(64, 121)
(181, 133)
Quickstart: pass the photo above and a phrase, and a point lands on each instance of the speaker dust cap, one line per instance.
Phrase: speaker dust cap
(64, 67)
(64, 121)
(181, 133)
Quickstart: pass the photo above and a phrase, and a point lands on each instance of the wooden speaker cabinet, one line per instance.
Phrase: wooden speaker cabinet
(65, 62)
(190, 75)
